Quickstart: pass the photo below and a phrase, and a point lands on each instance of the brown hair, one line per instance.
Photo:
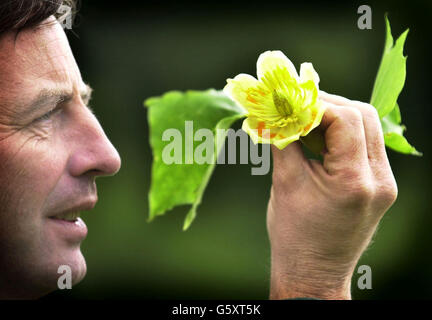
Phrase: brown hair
(22, 14)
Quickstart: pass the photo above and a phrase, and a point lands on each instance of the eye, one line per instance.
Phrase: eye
(46, 116)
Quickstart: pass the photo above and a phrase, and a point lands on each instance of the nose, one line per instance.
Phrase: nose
(92, 152)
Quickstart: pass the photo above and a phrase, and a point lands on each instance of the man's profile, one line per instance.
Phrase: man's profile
(51, 149)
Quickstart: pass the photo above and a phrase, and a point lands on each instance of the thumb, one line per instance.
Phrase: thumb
(288, 163)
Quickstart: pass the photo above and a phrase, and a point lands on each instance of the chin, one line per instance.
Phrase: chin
(73, 259)
(62, 247)
(38, 277)
(79, 268)
(47, 279)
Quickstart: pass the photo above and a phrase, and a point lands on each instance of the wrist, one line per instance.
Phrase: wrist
(314, 279)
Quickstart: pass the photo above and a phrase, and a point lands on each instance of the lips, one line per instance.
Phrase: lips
(71, 213)
(67, 216)
(68, 225)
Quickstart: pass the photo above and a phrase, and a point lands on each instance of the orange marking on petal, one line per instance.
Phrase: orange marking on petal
(250, 99)
(282, 136)
(308, 126)
(314, 113)
(261, 126)
(272, 135)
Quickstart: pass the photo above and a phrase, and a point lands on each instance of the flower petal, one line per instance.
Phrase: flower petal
(317, 112)
(257, 130)
(309, 95)
(237, 88)
(269, 61)
(307, 72)
(287, 135)
(252, 95)
(279, 136)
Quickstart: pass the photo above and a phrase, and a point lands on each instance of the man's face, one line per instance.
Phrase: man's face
(51, 150)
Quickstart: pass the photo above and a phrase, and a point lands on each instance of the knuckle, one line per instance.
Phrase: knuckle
(362, 192)
(359, 188)
(354, 113)
(367, 109)
(387, 193)
(354, 117)
(372, 111)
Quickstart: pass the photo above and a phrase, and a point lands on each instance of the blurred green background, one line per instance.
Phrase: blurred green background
(130, 51)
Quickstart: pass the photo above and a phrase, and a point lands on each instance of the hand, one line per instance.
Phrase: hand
(321, 216)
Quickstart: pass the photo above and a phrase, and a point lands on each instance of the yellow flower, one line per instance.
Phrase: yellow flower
(281, 101)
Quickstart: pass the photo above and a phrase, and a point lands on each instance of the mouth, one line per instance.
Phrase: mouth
(67, 217)
(68, 226)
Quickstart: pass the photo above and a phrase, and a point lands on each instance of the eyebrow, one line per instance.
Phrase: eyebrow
(50, 97)
(86, 94)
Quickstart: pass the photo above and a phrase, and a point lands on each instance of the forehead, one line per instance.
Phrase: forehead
(35, 59)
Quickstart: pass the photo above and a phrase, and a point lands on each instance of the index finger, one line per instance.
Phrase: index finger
(344, 137)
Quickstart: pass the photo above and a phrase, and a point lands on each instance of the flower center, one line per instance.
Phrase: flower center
(282, 104)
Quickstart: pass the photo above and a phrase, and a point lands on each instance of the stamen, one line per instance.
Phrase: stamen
(282, 104)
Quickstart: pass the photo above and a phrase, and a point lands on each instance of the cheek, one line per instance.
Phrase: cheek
(30, 170)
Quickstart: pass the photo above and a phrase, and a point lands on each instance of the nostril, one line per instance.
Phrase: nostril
(95, 172)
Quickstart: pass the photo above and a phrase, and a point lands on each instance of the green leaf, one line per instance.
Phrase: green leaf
(184, 183)
(395, 115)
(391, 122)
(398, 143)
(393, 133)
(391, 74)
(388, 85)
